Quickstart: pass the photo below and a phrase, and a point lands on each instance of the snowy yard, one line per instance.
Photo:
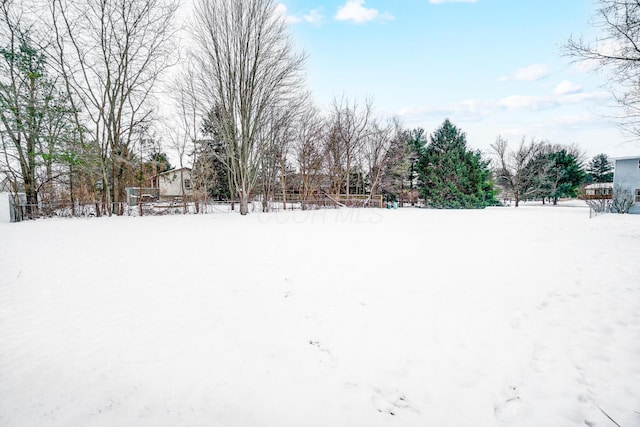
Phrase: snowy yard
(498, 317)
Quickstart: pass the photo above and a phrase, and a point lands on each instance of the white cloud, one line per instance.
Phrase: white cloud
(603, 47)
(586, 66)
(577, 98)
(452, 1)
(554, 126)
(314, 17)
(574, 120)
(469, 109)
(544, 102)
(477, 109)
(530, 73)
(282, 11)
(566, 88)
(522, 102)
(354, 10)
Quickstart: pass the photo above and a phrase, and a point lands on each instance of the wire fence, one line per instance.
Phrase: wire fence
(20, 210)
(599, 206)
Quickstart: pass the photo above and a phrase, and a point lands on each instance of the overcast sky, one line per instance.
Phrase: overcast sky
(494, 67)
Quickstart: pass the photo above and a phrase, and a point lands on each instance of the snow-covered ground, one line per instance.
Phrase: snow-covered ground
(409, 317)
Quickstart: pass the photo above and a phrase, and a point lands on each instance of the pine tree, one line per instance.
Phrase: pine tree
(452, 176)
(563, 175)
(600, 169)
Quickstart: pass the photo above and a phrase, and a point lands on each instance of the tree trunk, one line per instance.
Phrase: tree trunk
(71, 189)
(32, 199)
(105, 187)
(244, 203)
(182, 189)
(283, 187)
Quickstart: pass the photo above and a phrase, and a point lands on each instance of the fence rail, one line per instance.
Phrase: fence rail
(64, 209)
(326, 199)
(147, 201)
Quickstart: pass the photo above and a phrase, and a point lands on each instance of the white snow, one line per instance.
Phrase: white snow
(409, 317)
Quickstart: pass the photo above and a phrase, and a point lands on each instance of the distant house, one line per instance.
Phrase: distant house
(171, 183)
(626, 181)
(599, 190)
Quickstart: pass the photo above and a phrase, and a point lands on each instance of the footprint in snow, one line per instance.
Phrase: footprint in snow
(508, 408)
(391, 402)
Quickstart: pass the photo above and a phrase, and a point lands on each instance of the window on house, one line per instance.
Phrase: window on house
(187, 184)
(637, 198)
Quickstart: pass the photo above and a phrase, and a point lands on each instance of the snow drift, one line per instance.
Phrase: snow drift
(498, 317)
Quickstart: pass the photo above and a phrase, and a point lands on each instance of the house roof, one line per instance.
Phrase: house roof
(626, 158)
(171, 171)
(600, 185)
(174, 170)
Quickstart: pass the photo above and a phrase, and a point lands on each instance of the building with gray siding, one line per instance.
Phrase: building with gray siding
(626, 180)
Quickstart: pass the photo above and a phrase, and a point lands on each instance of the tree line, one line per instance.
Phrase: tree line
(79, 100)
(77, 82)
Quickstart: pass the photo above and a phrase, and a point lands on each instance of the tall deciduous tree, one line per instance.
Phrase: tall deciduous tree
(515, 170)
(308, 153)
(384, 154)
(350, 126)
(451, 175)
(112, 53)
(34, 114)
(249, 70)
(616, 49)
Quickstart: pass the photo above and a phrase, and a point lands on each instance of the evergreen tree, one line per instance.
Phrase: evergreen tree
(415, 141)
(600, 169)
(160, 161)
(452, 176)
(211, 174)
(560, 176)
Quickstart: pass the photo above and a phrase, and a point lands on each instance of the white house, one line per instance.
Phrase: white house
(626, 181)
(172, 183)
(5, 206)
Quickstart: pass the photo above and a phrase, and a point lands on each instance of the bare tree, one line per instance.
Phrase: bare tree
(277, 140)
(34, 115)
(200, 139)
(186, 131)
(22, 68)
(309, 153)
(618, 50)
(248, 69)
(380, 150)
(514, 168)
(334, 154)
(112, 53)
(349, 128)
